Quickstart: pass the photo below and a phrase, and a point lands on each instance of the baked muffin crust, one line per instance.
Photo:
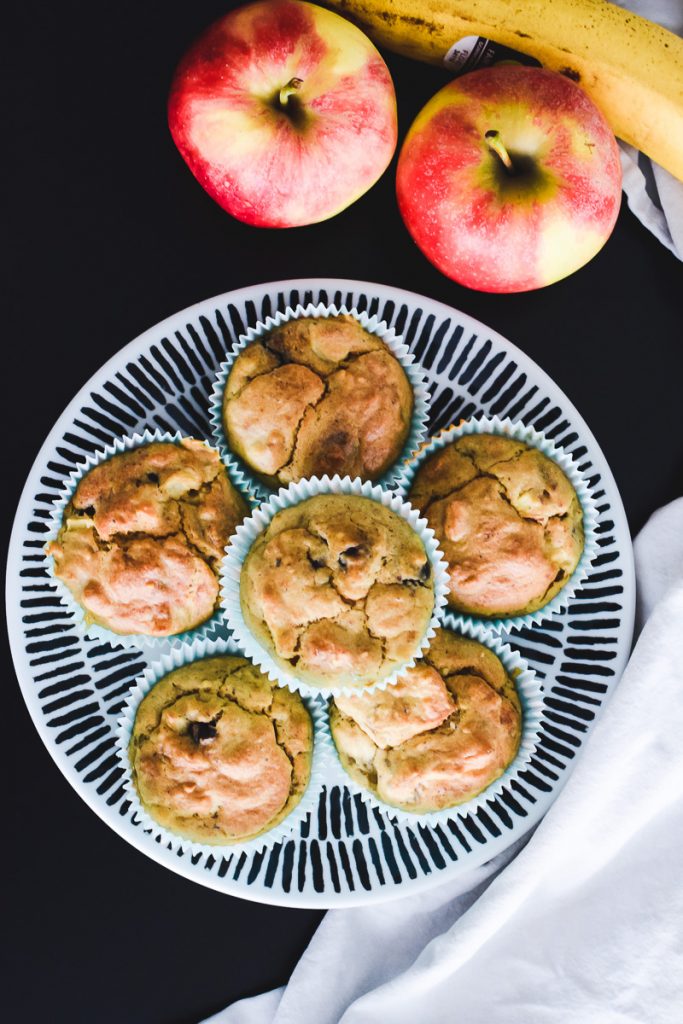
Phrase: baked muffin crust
(143, 536)
(317, 395)
(507, 519)
(444, 732)
(219, 754)
(338, 589)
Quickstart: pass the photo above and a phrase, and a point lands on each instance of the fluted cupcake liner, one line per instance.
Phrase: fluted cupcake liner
(177, 658)
(372, 324)
(482, 626)
(530, 695)
(140, 641)
(248, 531)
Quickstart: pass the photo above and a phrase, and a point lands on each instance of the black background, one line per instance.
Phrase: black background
(108, 234)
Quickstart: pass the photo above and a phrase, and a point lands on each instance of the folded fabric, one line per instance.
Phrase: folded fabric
(585, 924)
(654, 195)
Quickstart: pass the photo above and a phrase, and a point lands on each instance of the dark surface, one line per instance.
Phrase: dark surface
(109, 233)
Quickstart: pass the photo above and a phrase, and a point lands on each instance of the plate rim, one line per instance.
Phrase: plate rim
(258, 892)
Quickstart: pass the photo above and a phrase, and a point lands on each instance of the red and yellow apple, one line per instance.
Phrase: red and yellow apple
(284, 112)
(509, 179)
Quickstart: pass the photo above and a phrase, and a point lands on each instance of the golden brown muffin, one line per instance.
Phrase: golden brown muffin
(143, 536)
(338, 589)
(317, 395)
(219, 754)
(443, 733)
(507, 519)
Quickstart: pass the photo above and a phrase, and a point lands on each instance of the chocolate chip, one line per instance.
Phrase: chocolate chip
(425, 571)
(317, 563)
(355, 551)
(202, 731)
(278, 563)
(153, 478)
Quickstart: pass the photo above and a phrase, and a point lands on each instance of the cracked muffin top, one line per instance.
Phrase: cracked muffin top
(507, 519)
(143, 536)
(219, 754)
(338, 589)
(439, 736)
(317, 395)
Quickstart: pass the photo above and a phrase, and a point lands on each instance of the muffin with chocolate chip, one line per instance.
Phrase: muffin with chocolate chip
(142, 538)
(317, 395)
(507, 519)
(338, 589)
(443, 733)
(218, 753)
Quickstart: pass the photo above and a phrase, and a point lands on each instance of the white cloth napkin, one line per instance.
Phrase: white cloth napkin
(585, 925)
(654, 195)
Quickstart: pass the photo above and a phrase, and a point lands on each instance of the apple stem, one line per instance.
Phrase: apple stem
(496, 145)
(288, 90)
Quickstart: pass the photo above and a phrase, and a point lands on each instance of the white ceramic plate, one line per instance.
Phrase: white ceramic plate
(347, 854)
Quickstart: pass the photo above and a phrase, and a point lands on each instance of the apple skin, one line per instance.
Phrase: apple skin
(495, 231)
(275, 167)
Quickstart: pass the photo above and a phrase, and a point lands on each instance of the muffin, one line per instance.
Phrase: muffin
(338, 589)
(142, 538)
(444, 732)
(507, 519)
(218, 753)
(318, 395)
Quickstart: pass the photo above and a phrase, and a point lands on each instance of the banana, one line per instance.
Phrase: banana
(631, 68)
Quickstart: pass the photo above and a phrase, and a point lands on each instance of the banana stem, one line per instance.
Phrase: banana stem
(293, 85)
(496, 145)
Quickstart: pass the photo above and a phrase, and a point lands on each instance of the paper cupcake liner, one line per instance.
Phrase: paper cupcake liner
(531, 699)
(483, 627)
(398, 348)
(251, 528)
(308, 804)
(140, 641)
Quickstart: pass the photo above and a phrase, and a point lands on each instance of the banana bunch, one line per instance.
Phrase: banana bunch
(631, 68)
